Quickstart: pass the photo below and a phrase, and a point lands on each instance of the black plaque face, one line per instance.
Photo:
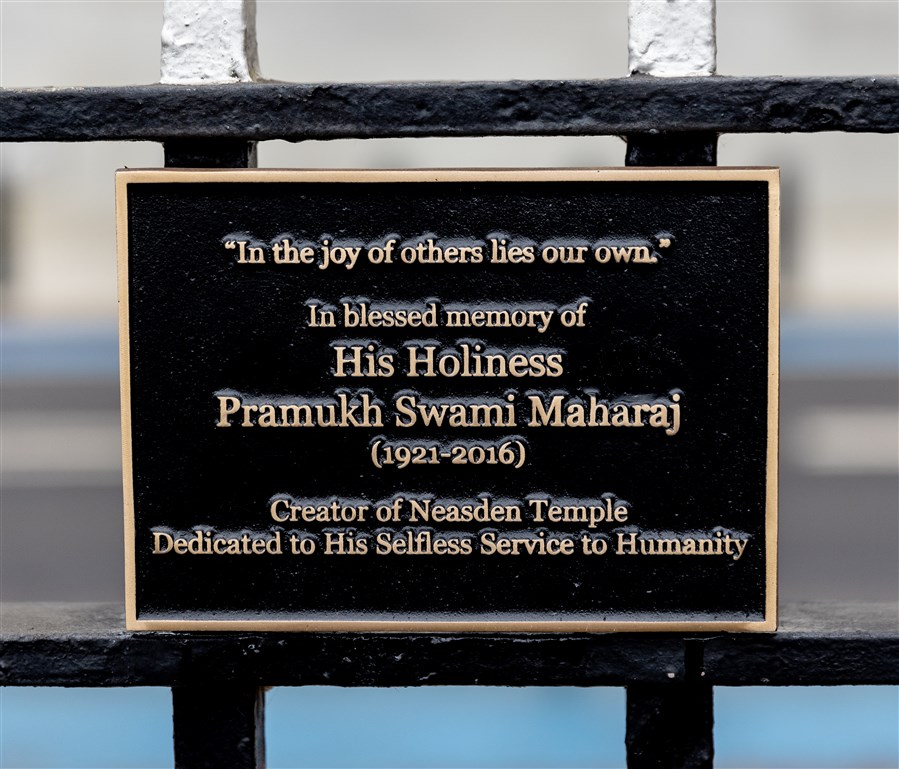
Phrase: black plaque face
(450, 400)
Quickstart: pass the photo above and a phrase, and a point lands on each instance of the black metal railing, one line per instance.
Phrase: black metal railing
(218, 679)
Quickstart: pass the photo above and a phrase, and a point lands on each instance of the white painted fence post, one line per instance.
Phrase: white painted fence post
(671, 38)
(209, 41)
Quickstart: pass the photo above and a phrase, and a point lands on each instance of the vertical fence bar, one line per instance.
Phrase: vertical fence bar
(672, 38)
(681, 149)
(210, 153)
(219, 726)
(670, 726)
(209, 41)
(213, 41)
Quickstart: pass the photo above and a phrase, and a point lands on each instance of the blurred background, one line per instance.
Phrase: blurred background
(60, 499)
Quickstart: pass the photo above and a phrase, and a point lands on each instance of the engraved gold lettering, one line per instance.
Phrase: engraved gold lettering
(525, 543)
(563, 254)
(429, 252)
(422, 542)
(228, 405)
(339, 255)
(538, 319)
(206, 542)
(583, 512)
(572, 411)
(345, 543)
(717, 542)
(472, 360)
(321, 317)
(502, 253)
(285, 252)
(284, 509)
(623, 254)
(358, 361)
(483, 511)
(411, 412)
(345, 410)
(362, 315)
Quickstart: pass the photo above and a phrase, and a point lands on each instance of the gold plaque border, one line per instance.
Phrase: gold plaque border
(169, 176)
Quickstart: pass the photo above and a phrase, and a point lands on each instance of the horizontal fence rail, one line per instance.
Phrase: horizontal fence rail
(296, 112)
(86, 645)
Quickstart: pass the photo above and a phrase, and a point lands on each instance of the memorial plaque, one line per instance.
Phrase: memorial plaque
(450, 400)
